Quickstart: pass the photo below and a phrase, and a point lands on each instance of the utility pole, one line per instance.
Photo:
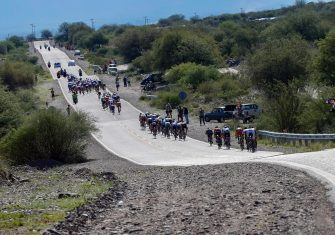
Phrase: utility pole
(32, 29)
(92, 23)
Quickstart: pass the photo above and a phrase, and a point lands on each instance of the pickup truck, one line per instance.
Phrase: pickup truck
(247, 112)
(220, 113)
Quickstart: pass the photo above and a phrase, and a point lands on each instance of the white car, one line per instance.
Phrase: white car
(71, 63)
(112, 69)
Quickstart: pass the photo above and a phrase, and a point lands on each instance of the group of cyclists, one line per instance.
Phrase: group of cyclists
(110, 101)
(243, 135)
(82, 86)
(166, 126)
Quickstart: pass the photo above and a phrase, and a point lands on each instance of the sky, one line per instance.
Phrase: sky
(17, 15)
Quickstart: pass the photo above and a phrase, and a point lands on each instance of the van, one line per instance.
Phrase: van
(77, 52)
(71, 63)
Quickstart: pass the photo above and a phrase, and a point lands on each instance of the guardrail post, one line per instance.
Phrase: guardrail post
(294, 141)
(306, 142)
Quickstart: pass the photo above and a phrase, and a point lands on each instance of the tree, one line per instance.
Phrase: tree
(234, 39)
(325, 61)
(304, 23)
(136, 41)
(63, 32)
(278, 61)
(171, 20)
(6, 47)
(18, 41)
(283, 109)
(300, 3)
(30, 37)
(176, 47)
(46, 34)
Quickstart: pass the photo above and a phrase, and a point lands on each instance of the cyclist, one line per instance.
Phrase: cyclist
(226, 136)
(183, 129)
(209, 134)
(218, 136)
(239, 137)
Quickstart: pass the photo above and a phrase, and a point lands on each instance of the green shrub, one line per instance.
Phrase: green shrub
(227, 87)
(165, 97)
(49, 135)
(10, 111)
(191, 74)
(17, 74)
(3, 169)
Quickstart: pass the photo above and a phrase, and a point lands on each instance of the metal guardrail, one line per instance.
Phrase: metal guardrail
(294, 138)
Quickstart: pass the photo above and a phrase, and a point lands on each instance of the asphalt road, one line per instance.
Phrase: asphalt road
(121, 134)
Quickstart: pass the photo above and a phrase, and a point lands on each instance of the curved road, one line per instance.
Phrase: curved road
(121, 135)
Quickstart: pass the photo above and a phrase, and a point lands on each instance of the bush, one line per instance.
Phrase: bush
(49, 135)
(10, 111)
(3, 169)
(165, 97)
(191, 74)
(17, 74)
(227, 87)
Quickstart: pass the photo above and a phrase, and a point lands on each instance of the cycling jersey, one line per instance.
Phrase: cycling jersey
(238, 132)
(226, 132)
(209, 132)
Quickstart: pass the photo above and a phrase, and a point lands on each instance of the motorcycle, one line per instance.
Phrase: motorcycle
(49, 64)
(80, 72)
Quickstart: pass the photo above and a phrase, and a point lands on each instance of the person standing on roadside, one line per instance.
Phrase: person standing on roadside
(125, 81)
(202, 116)
(180, 114)
(68, 110)
(185, 111)
(52, 93)
(117, 82)
(168, 110)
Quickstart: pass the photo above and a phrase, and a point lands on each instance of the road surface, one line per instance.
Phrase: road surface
(122, 135)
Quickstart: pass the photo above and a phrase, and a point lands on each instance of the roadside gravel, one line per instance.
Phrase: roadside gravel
(241, 198)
